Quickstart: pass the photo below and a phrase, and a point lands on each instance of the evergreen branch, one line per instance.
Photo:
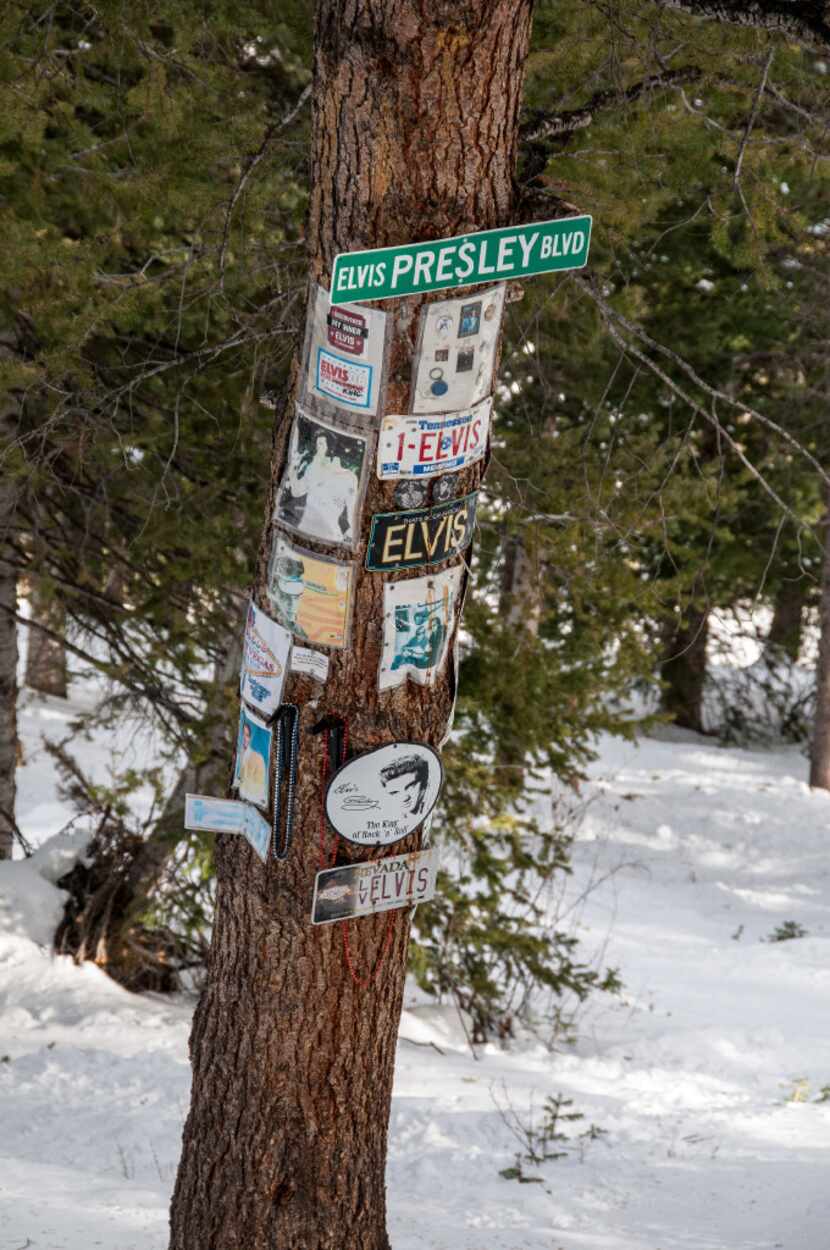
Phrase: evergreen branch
(804, 20)
(250, 166)
(31, 623)
(542, 126)
(613, 319)
(756, 104)
(172, 715)
(783, 100)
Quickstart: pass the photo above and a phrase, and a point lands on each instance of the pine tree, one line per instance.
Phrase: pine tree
(322, 1074)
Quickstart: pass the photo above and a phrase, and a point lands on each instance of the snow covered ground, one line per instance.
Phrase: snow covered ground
(705, 1075)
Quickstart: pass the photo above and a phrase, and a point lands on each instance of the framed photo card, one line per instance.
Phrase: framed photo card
(311, 596)
(418, 622)
(322, 486)
(252, 768)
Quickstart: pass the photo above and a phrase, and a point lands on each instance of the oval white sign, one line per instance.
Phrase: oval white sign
(382, 796)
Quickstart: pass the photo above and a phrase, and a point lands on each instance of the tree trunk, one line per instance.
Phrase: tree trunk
(520, 600)
(415, 128)
(820, 744)
(9, 420)
(8, 699)
(520, 608)
(683, 669)
(788, 618)
(45, 655)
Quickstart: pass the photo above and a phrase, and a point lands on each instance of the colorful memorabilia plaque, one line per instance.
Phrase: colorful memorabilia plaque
(209, 815)
(321, 487)
(381, 885)
(312, 663)
(384, 795)
(264, 661)
(345, 357)
(421, 446)
(457, 352)
(419, 616)
(410, 540)
(508, 252)
(253, 759)
(311, 596)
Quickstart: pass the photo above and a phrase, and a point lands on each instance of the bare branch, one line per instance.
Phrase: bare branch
(614, 319)
(610, 313)
(804, 20)
(250, 166)
(756, 104)
(542, 126)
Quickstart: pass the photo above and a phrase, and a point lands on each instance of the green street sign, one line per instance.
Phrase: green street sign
(488, 256)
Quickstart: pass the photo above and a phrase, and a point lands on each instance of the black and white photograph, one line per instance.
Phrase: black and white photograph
(321, 487)
(383, 795)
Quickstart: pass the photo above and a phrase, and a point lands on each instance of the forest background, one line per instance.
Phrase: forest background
(658, 458)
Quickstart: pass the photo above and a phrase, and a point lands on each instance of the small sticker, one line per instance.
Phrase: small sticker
(343, 380)
(410, 495)
(348, 329)
(469, 319)
(444, 488)
(313, 663)
(438, 386)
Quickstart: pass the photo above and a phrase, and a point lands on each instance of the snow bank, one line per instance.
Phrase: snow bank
(31, 905)
(706, 1075)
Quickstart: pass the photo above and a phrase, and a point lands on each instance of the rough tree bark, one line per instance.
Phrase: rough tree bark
(45, 654)
(683, 669)
(521, 592)
(786, 628)
(9, 419)
(820, 743)
(415, 128)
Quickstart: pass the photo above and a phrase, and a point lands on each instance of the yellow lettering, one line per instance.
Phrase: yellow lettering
(432, 546)
(409, 553)
(459, 530)
(388, 557)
